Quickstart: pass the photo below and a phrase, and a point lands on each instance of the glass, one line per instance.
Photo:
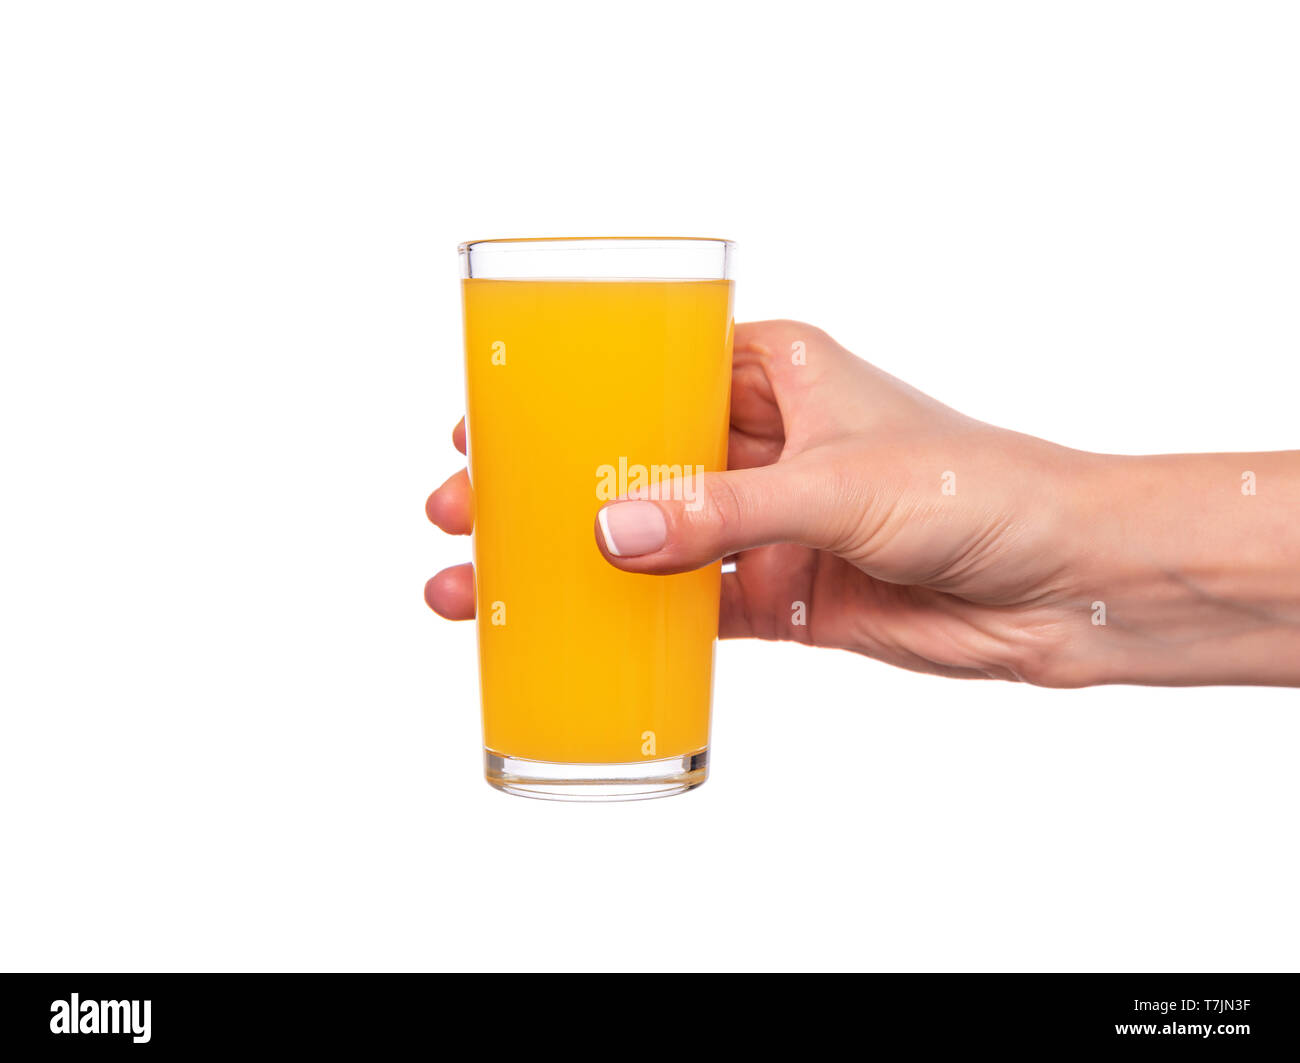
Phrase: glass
(593, 367)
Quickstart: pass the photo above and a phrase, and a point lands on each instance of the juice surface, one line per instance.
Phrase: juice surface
(575, 390)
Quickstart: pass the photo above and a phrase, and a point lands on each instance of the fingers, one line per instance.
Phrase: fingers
(733, 617)
(796, 394)
(450, 593)
(720, 514)
(451, 507)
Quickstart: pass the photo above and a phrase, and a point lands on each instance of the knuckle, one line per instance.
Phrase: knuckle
(725, 508)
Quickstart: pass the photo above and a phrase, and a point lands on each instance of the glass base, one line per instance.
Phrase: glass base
(637, 781)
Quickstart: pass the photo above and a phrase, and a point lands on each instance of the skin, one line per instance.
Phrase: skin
(835, 497)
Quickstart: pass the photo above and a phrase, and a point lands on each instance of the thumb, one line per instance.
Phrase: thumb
(702, 519)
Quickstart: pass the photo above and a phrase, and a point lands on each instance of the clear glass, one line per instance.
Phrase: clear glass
(594, 367)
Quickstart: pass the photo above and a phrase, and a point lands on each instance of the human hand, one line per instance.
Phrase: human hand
(864, 515)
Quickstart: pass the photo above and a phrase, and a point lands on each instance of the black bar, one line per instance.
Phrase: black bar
(593, 1016)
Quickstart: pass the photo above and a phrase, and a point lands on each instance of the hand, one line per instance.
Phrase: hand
(866, 516)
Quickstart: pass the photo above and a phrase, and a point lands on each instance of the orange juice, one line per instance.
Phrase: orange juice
(577, 388)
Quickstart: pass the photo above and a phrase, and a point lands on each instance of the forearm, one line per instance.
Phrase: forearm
(1186, 568)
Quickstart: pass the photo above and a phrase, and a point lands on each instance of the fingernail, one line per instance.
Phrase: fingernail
(631, 529)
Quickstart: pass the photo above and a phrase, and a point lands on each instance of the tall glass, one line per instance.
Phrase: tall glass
(594, 367)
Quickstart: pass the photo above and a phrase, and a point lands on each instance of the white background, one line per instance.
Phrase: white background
(233, 737)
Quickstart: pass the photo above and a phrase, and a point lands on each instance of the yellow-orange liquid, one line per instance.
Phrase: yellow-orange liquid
(578, 661)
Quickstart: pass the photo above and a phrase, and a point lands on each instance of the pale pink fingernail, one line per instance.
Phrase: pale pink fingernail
(631, 529)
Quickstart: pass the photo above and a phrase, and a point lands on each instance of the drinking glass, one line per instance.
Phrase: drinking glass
(594, 367)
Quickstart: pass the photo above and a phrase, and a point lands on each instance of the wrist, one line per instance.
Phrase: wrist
(1182, 569)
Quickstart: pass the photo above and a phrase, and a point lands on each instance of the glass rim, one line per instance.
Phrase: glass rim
(598, 258)
(627, 241)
